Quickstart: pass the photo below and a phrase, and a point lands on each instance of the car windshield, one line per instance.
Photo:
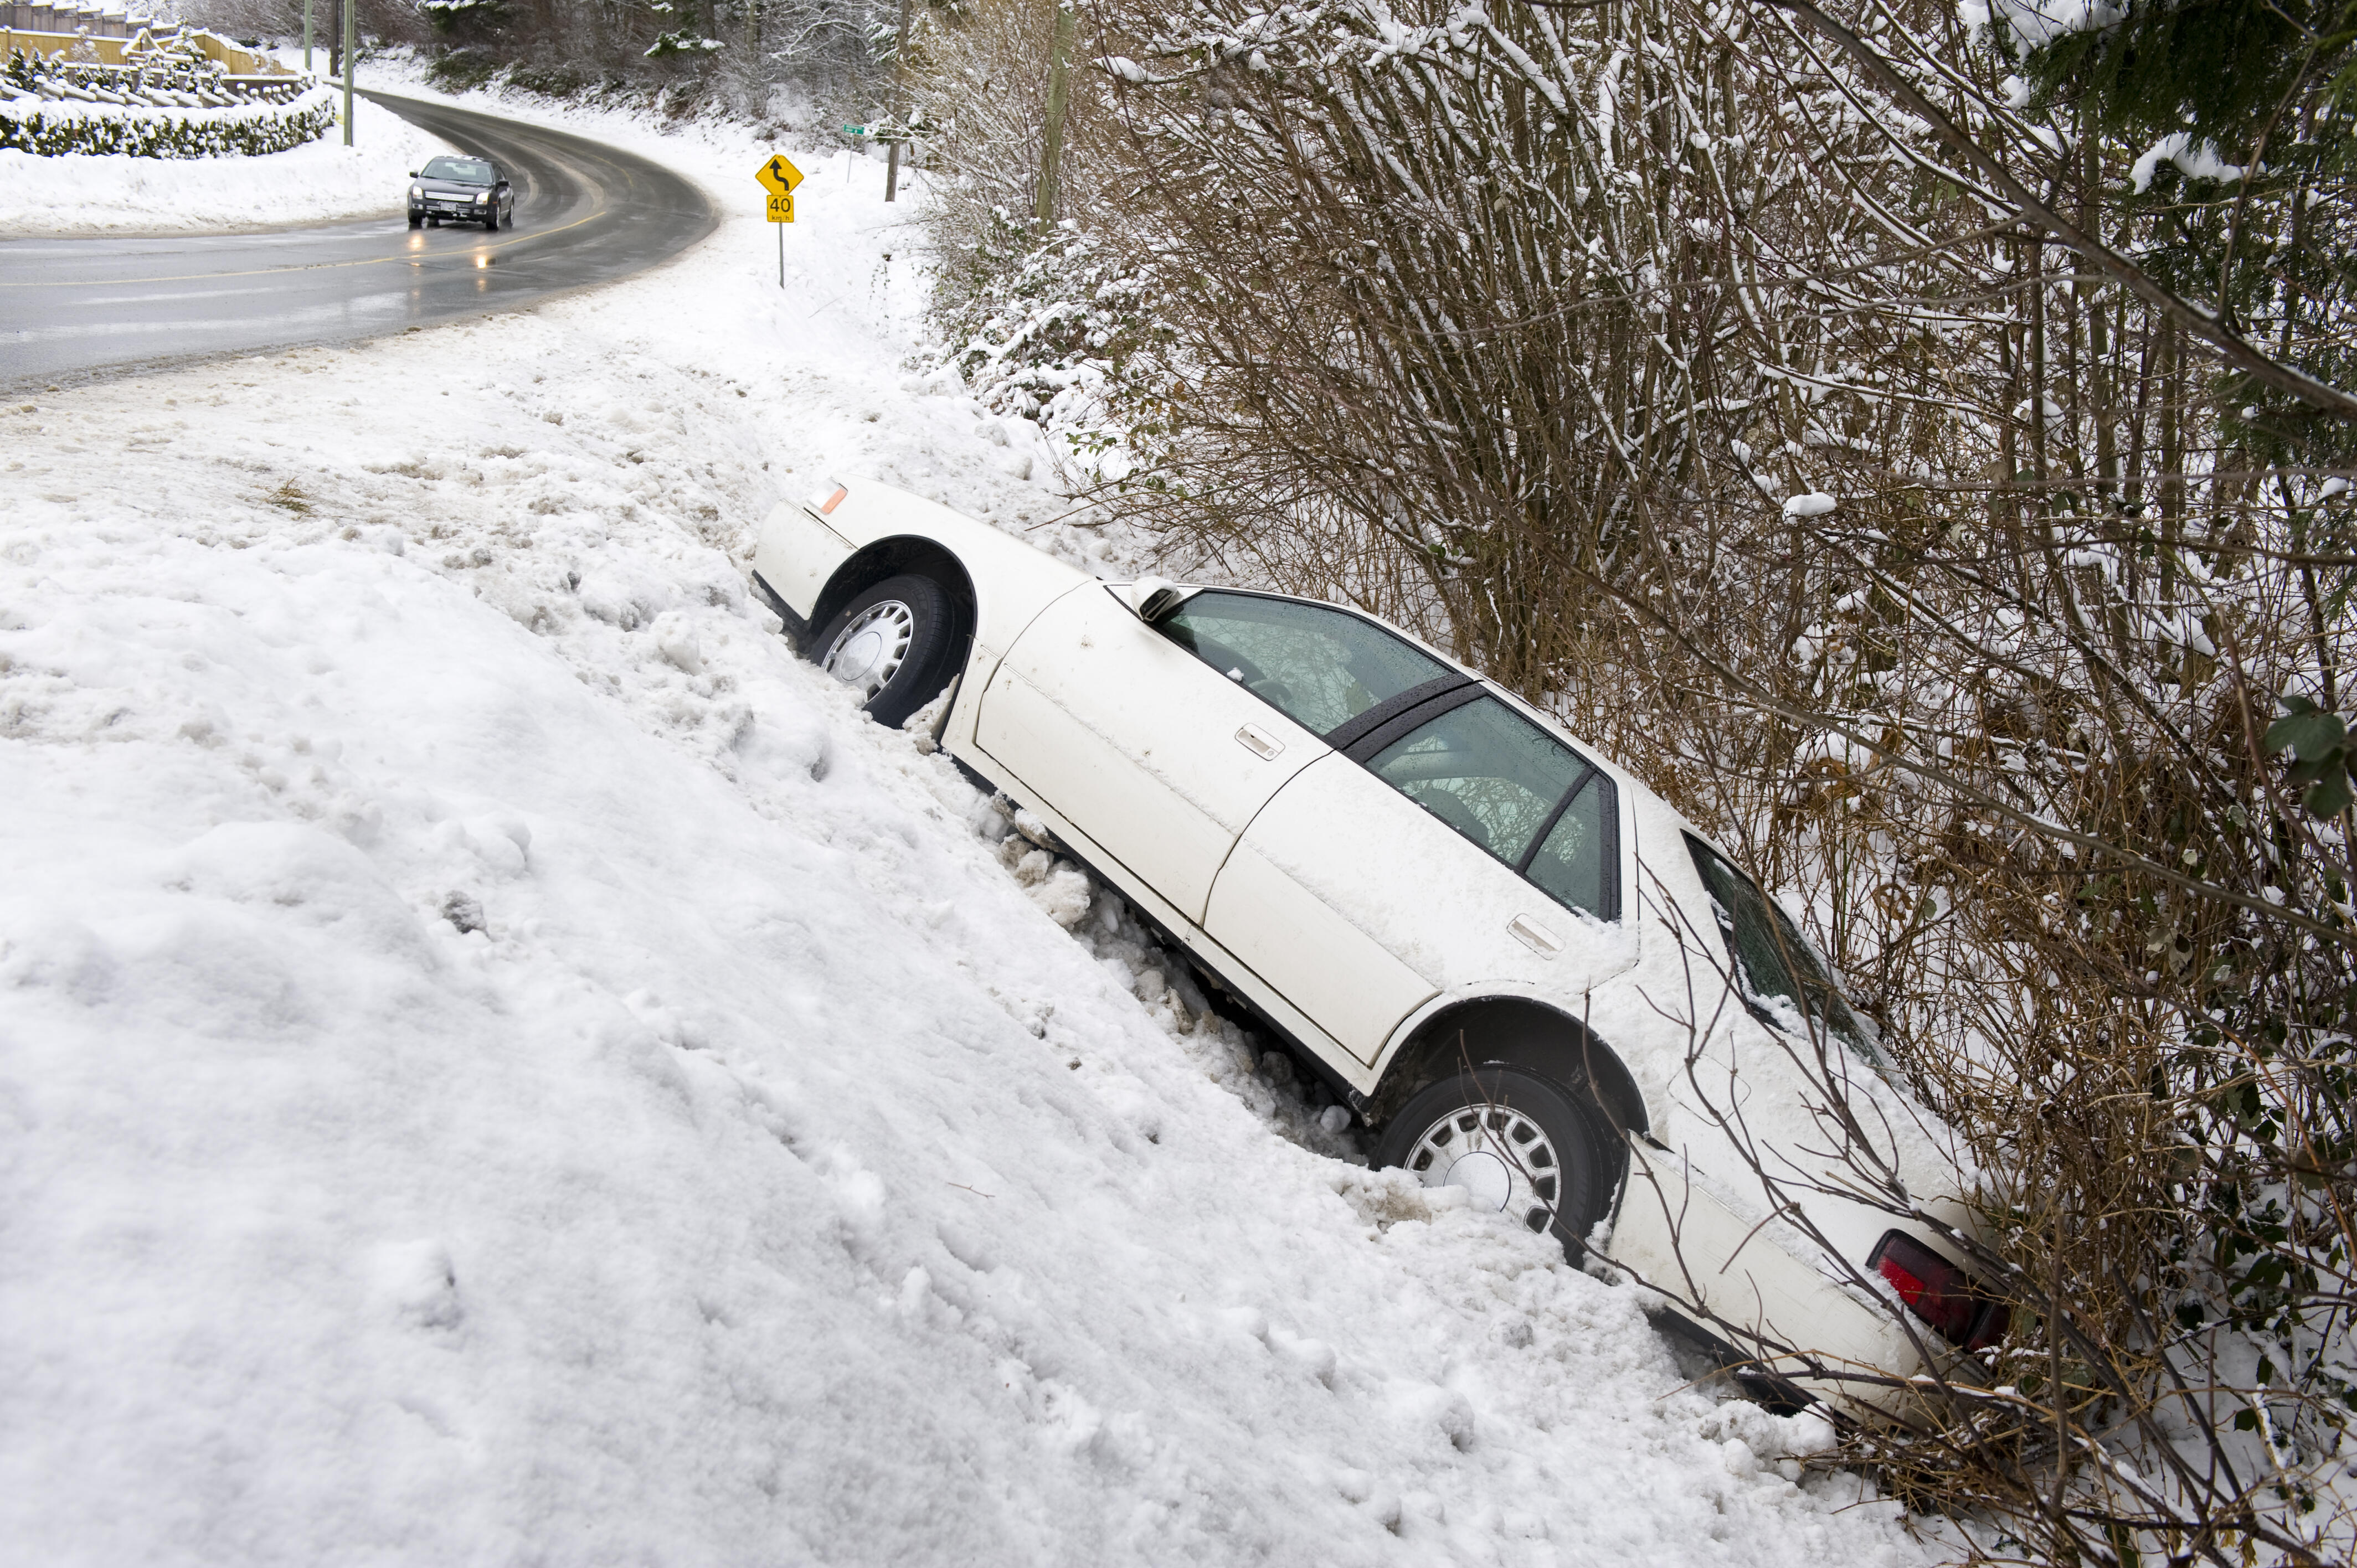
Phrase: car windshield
(465, 171)
(1319, 666)
(1782, 979)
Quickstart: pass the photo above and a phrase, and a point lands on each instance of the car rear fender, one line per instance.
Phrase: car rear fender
(1687, 1242)
(1523, 1031)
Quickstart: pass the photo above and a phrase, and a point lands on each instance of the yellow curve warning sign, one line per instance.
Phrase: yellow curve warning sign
(779, 177)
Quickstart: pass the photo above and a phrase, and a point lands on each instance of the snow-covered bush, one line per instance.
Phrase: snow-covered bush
(1059, 331)
(53, 129)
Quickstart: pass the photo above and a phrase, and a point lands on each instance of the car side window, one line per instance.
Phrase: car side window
(1781, 979)
(1318, 666)
(1519, 793)
(1578, 862)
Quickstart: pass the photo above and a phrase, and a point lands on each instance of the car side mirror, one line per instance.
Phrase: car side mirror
(413, 174)
(1158, 598)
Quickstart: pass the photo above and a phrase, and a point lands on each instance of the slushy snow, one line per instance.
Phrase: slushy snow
(499, 1061)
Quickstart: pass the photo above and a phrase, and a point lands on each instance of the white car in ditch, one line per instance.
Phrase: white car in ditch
(1508, 956)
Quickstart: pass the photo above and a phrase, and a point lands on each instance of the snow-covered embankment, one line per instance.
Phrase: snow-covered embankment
(498, 1062)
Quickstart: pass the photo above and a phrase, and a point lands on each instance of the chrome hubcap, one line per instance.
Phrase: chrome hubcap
(1499, 1155)
(869, 652)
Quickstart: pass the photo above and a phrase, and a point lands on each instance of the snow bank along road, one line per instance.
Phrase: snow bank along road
(585, 213)
(501, 1062)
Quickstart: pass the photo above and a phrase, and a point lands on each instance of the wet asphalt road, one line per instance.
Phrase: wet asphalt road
(584, 213)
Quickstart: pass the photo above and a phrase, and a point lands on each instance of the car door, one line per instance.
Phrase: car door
(1154, 756)
(1160, 743)
(1453, 844)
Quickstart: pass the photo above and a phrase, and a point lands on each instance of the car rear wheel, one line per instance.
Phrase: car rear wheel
(895, 642)
(1521, 1144)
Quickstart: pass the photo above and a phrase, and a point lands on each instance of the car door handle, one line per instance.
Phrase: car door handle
(1535, 936)
(1259, 742)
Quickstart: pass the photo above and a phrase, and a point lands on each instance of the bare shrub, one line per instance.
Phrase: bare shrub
(1658, 357)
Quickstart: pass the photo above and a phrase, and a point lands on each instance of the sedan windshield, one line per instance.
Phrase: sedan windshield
(1783, 981)
(1318, 666)
(465, 171)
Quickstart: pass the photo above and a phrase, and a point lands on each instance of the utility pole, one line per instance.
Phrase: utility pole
(899, 104)
(351, 35)
(307, 38)
(1052, 155)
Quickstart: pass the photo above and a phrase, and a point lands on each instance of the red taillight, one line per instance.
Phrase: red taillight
(1938, 1292)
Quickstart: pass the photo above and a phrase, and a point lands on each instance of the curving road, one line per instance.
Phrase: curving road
(584, 213)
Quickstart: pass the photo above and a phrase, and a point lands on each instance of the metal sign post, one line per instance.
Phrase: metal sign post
(351, 32)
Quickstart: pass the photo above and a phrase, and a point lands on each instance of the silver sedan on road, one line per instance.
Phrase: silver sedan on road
(460, 189)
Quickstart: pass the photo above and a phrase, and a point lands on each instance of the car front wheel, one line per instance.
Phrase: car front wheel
(1519, 1145)
(895, 642)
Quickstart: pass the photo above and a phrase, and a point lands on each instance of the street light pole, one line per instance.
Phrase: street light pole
(351, 35)
(307, 36)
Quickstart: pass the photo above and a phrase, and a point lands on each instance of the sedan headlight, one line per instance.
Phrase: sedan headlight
(416, 193)
(485, 197)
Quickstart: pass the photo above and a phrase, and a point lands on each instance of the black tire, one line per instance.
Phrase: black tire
(915, 650)
(417, 220)
(1542, 1148)
(434, 223)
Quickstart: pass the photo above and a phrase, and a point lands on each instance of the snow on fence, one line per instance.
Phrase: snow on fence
(110, 38)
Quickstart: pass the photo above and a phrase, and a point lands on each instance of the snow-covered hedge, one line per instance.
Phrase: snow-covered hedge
(53, 129)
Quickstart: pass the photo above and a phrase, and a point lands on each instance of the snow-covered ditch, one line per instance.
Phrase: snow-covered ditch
(501, 1062)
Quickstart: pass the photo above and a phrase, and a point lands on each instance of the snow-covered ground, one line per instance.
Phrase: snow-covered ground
(315, 183)
(501, 1062)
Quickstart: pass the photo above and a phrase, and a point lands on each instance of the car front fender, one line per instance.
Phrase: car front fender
(803, 545)
(796, 555)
